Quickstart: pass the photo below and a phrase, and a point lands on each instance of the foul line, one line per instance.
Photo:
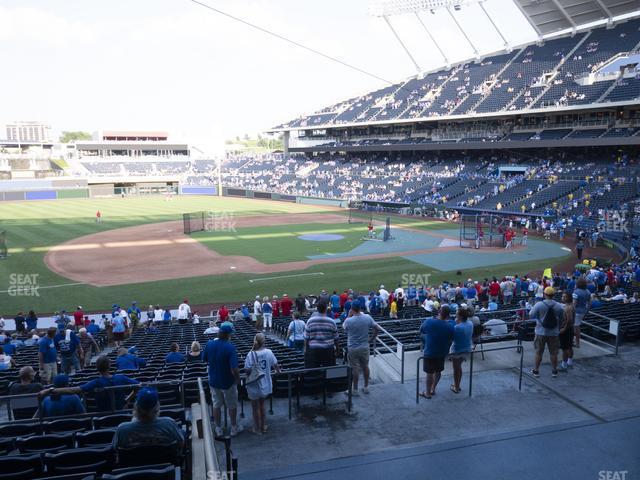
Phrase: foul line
(285, 276)
(50, 286)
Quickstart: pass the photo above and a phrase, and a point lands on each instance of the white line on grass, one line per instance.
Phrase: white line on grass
(52, 286)
(285, 276)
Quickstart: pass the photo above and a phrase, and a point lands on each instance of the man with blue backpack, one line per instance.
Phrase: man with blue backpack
(548, 315)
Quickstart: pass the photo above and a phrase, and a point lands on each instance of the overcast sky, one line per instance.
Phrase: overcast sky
(173, 65)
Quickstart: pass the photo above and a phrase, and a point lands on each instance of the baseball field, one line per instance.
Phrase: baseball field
(60, 256)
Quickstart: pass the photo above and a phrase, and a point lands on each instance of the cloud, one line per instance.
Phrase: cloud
(34, 25)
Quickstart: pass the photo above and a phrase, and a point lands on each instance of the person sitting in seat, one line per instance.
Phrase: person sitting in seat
(174, 356)
(103, 398)
(146, 428)
(127, 359)
(6, 362)
(58, 405)
(195, 354)
(26, 385)
(213, 329)
(495, 326)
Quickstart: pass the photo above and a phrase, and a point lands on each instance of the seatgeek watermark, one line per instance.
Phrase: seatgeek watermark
(23, 285)
(415, 279)
(220, 222)
(612, 225)
(612, 474)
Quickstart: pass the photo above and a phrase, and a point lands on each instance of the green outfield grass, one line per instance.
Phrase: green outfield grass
(34, 227)
(280, 243)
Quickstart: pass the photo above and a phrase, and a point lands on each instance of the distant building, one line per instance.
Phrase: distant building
(28, 132)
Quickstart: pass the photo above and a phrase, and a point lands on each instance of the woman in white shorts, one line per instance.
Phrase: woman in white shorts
(260, 389)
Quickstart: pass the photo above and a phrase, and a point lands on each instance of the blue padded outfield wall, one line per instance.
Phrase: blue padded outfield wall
(186, 190)
(40, 195)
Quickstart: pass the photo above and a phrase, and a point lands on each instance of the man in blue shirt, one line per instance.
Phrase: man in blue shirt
(134, 314)
(93, 328)
(59, 405)
(224, 377)
(48, 357)
(119, 329)
(412, 295)
(127, 360)
(105, 379)
(581, 302)
(68, 345)
(174, 356)
(335, 302)
(438, 334)
(470, 294)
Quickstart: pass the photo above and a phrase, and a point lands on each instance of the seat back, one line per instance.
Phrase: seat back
(80, 460)
(20, 467)
(110, 421)
(67, 425)
(23, 408)
(150, 472)
(95, 438)
(19, 429)
(44, 443)
(148, 455)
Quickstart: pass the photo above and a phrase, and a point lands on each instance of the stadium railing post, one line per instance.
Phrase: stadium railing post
(289, 393)
(471, 373)
(418, 379)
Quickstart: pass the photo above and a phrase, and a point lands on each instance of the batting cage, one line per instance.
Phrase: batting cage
(477, 230)
(195, 221)
(359, 216)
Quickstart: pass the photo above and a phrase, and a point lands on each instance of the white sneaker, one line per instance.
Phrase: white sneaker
(235, 430)
(355, 393)
(218, 432)
(365, 390)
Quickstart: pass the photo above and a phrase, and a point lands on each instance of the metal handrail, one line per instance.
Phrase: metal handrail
(179, 384)
(601, 329)
(519, 348)
(399, 352)
(210, 457)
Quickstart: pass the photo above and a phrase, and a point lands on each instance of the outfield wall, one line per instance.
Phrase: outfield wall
(188, 190)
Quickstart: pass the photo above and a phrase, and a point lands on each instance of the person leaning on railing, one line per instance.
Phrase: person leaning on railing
(105, 379)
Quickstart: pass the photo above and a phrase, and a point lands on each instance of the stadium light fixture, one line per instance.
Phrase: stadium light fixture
(386, 8)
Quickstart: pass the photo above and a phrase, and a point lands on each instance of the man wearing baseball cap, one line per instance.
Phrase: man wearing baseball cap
(58, 405)
(146, 428)
(548, 315)
(224, 377)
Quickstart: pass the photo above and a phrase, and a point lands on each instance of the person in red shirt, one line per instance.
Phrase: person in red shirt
(508, 237)
(611, 278)
(275, 305)
(86, 321)
(223, 313)
(78, 317)
(494, 289)
(98, 217)
(344, 296)
(286, 305)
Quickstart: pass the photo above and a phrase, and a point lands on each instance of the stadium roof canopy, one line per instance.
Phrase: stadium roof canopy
(550, 16)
